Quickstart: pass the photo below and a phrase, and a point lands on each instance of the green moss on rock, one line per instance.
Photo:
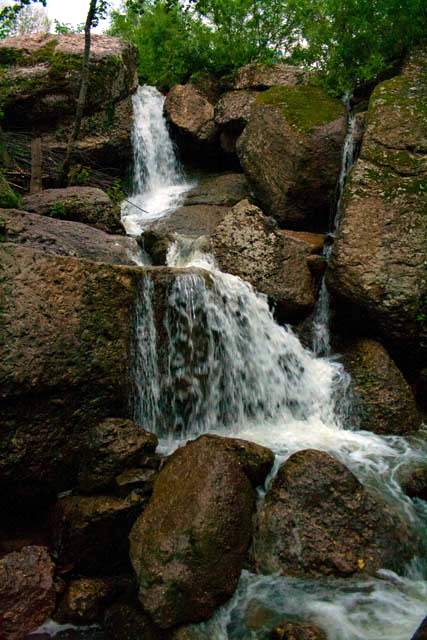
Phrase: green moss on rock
(8, 198)
(304, 107)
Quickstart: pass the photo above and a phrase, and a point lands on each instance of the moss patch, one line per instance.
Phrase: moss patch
(303, 107)
(8, 198)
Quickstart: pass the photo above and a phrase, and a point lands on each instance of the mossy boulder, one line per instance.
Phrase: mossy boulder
(40, 76)
(291, 150)
(379, 256)
(189, 545)
(80, 204)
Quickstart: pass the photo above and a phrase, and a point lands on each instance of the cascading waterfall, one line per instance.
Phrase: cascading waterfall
(158, 180)
(218, 362)
(321, 340)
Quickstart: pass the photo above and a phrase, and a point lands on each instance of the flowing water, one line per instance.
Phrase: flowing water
(158, 181)
(218, 362)
(321, 317)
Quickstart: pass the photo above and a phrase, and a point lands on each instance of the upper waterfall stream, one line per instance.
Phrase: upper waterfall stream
(227, 367)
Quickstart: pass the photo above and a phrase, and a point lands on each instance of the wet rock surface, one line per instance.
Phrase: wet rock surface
(89, 533)
(297, 631)
(247, 244)
(85, 600)
(67, 332)
(383, 400)
(81, 204)
(27, 591)
(189, 545)
(317, 519)
(110, 448)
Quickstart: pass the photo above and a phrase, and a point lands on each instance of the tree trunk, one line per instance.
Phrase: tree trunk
(81, 102)
(36, 183)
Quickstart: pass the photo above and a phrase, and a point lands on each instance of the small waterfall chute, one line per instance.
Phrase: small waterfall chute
(158, 179)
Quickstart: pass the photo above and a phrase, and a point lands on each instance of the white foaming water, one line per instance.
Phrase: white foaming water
(158, 182)
(218, 362)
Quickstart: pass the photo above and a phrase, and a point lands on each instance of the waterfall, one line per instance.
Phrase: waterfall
(158, 179)
(216, 361)
(225, 362)
(321, 341)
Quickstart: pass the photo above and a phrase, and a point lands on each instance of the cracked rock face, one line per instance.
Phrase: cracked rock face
(378, 259)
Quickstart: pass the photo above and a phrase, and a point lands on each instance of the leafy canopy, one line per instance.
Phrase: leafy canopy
(9, 14)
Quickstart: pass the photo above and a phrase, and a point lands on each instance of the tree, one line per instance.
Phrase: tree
(31, 19)
(97, 10)
(9, 14)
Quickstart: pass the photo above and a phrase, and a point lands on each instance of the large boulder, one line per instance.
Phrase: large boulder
(80, 204)
(189, 545)
(66, 238)
(247, 244)
(383, 400)
(378, 258)
(191, 117)
(27, 591)
(232, 113)
(110, 448)
(291, 153)
(262, 76)
(40, 76)
(317, 519)
(67, 336)
(90, 533)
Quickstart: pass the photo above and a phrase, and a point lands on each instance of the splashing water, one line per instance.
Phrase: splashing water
(218, 362)
(158, 182)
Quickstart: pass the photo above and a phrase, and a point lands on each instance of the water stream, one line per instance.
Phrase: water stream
(219, 363)
(321, 317)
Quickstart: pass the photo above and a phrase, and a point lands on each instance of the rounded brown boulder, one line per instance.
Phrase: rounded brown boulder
(317, 519)
(384, 402)
(27, 591)
(189, 545)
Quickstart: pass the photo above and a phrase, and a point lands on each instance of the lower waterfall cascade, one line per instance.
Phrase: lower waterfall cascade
(227, 367)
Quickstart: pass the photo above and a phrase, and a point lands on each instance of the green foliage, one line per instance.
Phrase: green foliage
(58, 210)
(9, 15)
(115, 191)
(78, 176)
(355, 41)
(8, 198)
(64, 28)
(350, 43)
